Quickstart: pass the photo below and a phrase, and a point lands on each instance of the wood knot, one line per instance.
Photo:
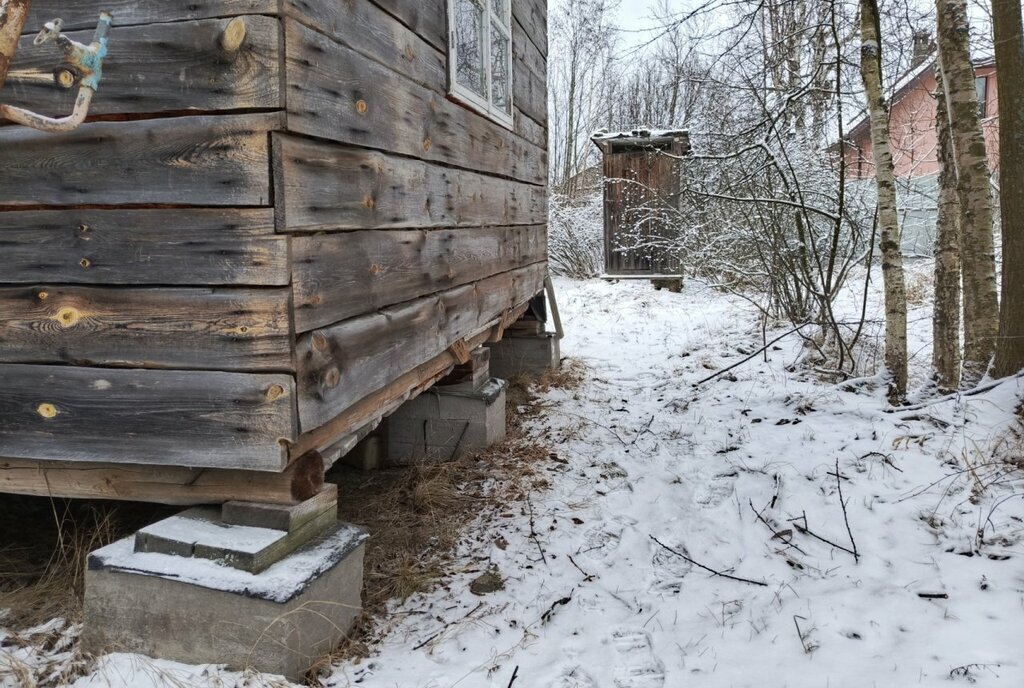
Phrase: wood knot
(410, 54)
(332, 377)
(47, 410)
(275, 392)
(427, 143)
(320, 342)
(43, 295)
(369, 202)
(85, 262)
(233, 35)
(362, 107)
(374, 269)
(68, 316)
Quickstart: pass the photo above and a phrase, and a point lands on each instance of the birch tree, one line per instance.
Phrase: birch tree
(946, 353)
(1006, 19)
(980, 302)
(885, 183)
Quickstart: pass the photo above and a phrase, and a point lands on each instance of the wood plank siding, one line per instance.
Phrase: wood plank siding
(246, 255)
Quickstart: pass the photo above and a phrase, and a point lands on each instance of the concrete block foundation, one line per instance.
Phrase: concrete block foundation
(530, 355)
(444, 423)
(199, 611)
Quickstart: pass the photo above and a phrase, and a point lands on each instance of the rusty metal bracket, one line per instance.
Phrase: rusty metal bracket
(82, 65)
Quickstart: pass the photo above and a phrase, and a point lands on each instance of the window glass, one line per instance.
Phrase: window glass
(981, 86)
(501, 48)
(469, 36)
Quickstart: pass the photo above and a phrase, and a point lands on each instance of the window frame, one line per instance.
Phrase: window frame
(981, 90)
(497, 13)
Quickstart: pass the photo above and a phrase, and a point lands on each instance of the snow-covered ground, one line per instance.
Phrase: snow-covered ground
(655, 484)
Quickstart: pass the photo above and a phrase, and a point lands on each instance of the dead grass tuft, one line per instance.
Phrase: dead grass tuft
(42, 562)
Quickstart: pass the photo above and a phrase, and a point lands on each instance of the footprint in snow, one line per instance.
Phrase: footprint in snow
(668, 569)
(574, 677)
(711, 493)
(601, 541)
(636, 665)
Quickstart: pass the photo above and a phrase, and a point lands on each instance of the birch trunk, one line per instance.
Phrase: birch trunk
(1006, 19)
(946, 351)
(888, 220)
(981, 306)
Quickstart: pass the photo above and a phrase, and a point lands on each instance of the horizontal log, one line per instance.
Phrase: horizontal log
(161, 417)
(341, 364)
(337, 93)
(192, 329)
(324, 187)
(82, 14)
(369, 410)
(532, 15)
(198, 161)
(210, 246)
(342, 275)
(301, 480)
(161, 67)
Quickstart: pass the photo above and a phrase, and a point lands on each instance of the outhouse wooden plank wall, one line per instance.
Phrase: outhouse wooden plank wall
(247, 254)
(641, 198)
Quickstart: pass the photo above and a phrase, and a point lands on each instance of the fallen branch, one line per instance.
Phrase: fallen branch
(515, 675)
(447, 626)
(707, 568)
(753, 355)
(807, 531)
(786, 539)
(846, 518)
(980, 389)
(533, 531)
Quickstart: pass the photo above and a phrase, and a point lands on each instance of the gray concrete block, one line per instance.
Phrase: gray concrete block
(444, 423)
(280, 621)
(525, 355)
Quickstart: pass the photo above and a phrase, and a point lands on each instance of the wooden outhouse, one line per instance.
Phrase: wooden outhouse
(641, 201)
(280, 220)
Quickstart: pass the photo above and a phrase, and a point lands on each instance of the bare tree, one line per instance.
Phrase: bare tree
(885, 182)
(1006, 19)
(981, 308)
(946, 352)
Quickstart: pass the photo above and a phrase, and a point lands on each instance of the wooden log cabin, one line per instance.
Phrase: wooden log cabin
(281, 219)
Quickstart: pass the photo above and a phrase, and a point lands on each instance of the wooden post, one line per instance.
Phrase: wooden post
(13, 14)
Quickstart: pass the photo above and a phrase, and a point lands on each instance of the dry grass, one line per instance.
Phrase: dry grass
(417, 515)
(42, 560)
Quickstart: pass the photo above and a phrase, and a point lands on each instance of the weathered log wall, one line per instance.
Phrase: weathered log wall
(241, 248)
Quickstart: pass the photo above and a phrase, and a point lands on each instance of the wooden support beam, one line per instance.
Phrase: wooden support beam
(385, 401)
(303, 479)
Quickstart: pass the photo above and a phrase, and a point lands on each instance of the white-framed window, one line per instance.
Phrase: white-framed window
(480, 56)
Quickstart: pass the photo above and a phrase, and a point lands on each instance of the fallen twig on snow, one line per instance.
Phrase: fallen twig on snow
(786, 539)
(447, 626)
(708, 568)
(846, 518)
(980, 389)
(533, 531)
(751, 356)
(587, 577)
(807, 531)
(515, 675)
